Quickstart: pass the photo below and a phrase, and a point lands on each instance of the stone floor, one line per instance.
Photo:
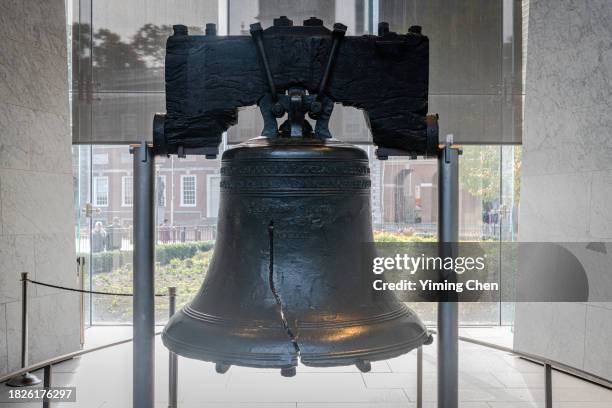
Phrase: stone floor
(487, 379)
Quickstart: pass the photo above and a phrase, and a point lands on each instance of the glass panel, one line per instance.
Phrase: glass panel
(475, 64)
(186, 224)
(123, 117)
(187, 199)
(129, 39)
(347, 124)
(111, 234)
(118, 86)
(117, 63)
(480, 215)
(465, 46)
(405, 208)
(81, 175)
(469, 117)
(510, 195)
(242, 13)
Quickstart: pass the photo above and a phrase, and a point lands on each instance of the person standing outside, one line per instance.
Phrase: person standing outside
(98, 238)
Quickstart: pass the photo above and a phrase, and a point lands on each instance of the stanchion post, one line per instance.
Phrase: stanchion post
(47, 384)
(419, 401)
(143, 376)
(448, 236)
(26, 379)
(173, 359)
(548, 385)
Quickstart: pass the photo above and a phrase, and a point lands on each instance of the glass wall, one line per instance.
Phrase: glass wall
(475, 64)
(118, 84)
(118, 50)
(404, 204)
(187, 202)
(404, 208)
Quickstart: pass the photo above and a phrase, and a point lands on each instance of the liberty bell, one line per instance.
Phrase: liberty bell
(285, 283)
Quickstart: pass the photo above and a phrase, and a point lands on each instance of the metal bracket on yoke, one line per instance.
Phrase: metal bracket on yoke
(296, 103)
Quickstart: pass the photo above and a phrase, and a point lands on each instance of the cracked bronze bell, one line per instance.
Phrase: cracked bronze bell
(285, 282)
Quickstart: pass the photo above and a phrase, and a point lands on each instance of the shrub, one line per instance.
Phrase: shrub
(164, 253)
(409, 236)
(186, 275)
(109, 260)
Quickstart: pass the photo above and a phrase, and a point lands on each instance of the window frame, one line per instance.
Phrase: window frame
(123, 190)
(195, 190)
(210, 178)
(96, 191)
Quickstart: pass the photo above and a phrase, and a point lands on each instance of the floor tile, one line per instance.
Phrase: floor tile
(355, 405)
(308, 387)
(488, 379)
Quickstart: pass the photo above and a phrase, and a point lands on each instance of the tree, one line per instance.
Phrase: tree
(479, 171)
(112, 53)
(149, 42)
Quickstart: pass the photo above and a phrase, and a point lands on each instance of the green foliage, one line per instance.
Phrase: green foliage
(108, 260)
(164, 253)
(182, 265)
(185, 274)
(517, 151)
(479, 171)
(404, 236)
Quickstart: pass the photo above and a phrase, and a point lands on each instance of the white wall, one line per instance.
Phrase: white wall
(566, 189)
(36, 194)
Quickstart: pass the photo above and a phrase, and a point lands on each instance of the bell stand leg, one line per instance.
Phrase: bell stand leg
(144, 319)
(448, 236)
(173, 358)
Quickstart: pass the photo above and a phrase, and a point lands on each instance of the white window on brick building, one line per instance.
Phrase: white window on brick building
(100, 191)
(127, 191)
(188, 190)
(213, 194)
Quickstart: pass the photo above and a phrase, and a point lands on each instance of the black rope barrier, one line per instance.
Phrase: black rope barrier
(91, 292)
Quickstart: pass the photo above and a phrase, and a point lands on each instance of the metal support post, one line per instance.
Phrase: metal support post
(144, 297)
(419, 401)
(173, 360)
(27, 379)
(548, 385)
(47, 384)
(448, 236)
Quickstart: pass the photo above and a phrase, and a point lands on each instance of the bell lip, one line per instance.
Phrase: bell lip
(289, 357)
(352, 358)
(285, 359)
(273, 361)
(254, 360)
